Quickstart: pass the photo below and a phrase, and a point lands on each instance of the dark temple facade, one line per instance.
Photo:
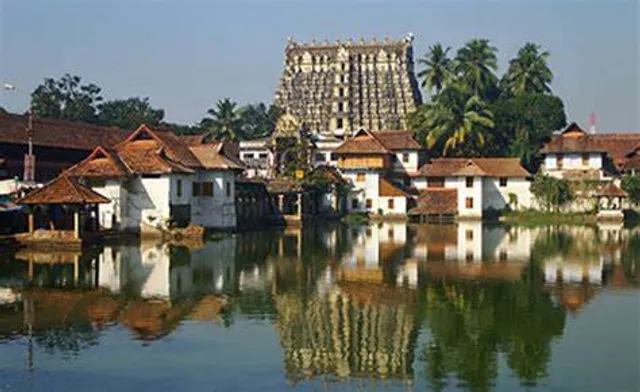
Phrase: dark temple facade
(336, 89)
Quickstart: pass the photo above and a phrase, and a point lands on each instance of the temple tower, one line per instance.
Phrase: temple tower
(336, 89)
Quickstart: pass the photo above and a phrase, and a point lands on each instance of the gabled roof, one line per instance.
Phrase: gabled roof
(194, 140)
(363, 142)
(609, 189)
(397, 140)
(63, 190)
(387, 189)
(212, 156)
(55, 133)
(102, 163)
(575, 140)
(489, 167)
(436, 201)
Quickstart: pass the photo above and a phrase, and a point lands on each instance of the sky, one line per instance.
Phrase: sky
(186, 55)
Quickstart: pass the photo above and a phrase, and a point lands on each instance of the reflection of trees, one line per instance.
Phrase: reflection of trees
(472, 321)
(630, 260)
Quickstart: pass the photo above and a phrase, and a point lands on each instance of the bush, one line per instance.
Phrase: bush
(552, 193)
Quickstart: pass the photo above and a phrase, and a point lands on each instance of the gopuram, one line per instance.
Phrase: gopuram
(338, 88)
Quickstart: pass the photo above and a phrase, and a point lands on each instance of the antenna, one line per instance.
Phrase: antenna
(592, 123)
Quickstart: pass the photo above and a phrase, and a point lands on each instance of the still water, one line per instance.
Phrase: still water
(383, 307)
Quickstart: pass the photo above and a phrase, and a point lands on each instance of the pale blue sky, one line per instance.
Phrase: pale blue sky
(185, 55)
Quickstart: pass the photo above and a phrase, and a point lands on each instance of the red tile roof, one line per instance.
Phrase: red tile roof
(211, 156)
(436, 201)
(387, 189)
(609, 189)
(58, 133)
(397, 140)
(575, 140)
(489, 167)
(380, 142)
(101, 163)
(63, 190)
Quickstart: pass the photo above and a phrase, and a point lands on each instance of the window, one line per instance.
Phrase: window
(334, 156)
(585, 159)
(559, 164)
(369, 203)
(354, 204)
(435, 182)
(339, 123)
(320, 157)
(468, 235)
(341, 92)
(503, 255)
(469, 182)
(503, 181)
(390, 203)
(248, 155)
(195, 190)
(206, 189)
(262, 156)
(360, 177)
(469, 256)
(391, 233)
(228, 189)
(179, 187)
(340, 107)
(405, 157)
(469, 202)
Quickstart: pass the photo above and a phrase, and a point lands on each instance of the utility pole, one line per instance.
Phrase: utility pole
(29, 174)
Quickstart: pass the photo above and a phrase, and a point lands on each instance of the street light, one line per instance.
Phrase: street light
(29, 159)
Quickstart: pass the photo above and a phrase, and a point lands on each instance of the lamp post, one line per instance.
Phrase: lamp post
(29, 159)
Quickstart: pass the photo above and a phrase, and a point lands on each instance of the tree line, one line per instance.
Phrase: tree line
(473, 112)
(68, 98)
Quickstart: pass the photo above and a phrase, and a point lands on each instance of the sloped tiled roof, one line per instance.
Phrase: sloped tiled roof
(331, 174)
(387, 189)
(576, 140)
(362, 143)
(63, 190)
(211, 157)
(436, 201)
(609, 189)
(490, 167)
(397, 140)
(100, 163)
(58, 133)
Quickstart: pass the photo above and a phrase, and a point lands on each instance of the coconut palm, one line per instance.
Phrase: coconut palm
(225, 120)
(456, 123)
(438, 68)
(475, 64)
(528, 72)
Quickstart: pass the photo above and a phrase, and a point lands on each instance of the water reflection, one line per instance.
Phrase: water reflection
(445, 305)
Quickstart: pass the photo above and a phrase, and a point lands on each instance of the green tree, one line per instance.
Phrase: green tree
(631, 185)
(224, 121)
(258, 120)
(551, 192)
(438, 68)
(66, 98)
(129, 113)
(475, 64)
(524, 123)
(528, 72)
(456, 123)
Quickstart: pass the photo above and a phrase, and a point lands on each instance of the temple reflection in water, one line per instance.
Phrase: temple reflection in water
(381, 302)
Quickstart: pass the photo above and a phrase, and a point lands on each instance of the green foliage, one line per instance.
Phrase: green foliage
(551, 192)
(456, 123)
(129, 113)
(224, 120)
(511, 118)
(258, 120)
(438, 68)
(66, 98)
(528, 73)
(252, 121)
(631, 185)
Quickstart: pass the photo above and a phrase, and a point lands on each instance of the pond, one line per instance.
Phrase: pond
(385, 307)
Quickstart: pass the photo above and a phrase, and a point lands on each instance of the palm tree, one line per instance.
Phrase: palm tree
(225, 120)
(456, 122)
(438, 68)
(528, 72)
(475, 64)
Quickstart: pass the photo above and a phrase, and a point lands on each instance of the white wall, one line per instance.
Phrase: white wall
(469, 241)
(219, 210)
(145, 198)
(475, 192)
(363, 190)
(410, 166)
(573, 161)
(419, 182)
(497, 197)
(112, 211)
(399, 205)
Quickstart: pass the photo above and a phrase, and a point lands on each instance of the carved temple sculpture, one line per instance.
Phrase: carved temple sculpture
(338, 88)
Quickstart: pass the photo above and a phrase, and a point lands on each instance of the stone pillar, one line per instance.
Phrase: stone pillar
(336, 205)
(76, 224)
(300, 205)
(76, 269)
(281, 204)
(31, 222)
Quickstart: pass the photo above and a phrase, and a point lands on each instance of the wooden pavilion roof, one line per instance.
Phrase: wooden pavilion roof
(63, 190)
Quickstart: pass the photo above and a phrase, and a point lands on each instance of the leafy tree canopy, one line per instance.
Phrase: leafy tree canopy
(631, 185)
(66, 98)
(552, 193)
(129, 113)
